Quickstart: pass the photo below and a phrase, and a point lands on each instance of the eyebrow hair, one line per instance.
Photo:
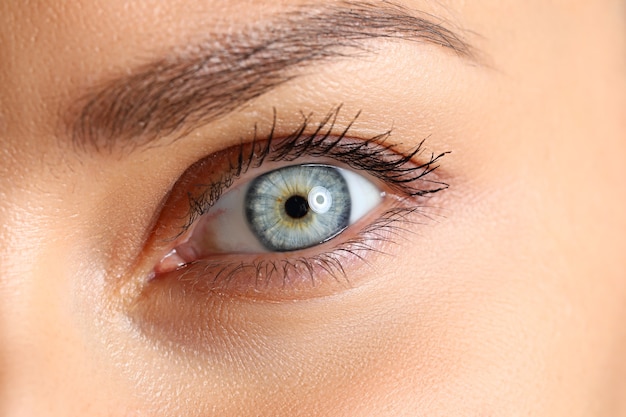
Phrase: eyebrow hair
(174, 94)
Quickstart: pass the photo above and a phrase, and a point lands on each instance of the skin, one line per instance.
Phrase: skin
(507, 297)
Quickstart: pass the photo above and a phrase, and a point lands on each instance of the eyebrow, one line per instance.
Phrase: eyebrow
(196, 85)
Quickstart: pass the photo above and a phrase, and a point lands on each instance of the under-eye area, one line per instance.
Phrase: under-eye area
(293, 216)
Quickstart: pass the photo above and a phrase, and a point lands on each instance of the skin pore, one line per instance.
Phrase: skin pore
(503, 293)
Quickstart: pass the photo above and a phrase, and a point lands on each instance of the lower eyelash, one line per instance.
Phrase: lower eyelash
(285, 277)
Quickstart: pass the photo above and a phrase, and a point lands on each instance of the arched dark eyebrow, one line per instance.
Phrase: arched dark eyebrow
(177, 93)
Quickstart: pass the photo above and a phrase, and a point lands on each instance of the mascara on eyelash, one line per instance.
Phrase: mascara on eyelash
(239, 273)
(372, 155)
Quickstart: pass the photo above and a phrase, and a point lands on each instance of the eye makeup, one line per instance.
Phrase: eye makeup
(372, 155)
(298, 272)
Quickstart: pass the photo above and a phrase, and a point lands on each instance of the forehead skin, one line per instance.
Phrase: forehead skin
(511, 304)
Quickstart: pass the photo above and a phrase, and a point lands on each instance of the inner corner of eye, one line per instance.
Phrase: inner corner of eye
(284, 210)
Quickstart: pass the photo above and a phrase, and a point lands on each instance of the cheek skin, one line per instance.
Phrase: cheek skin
(559, 198)
(45, 359)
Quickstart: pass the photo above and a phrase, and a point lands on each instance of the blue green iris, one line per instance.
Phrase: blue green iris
(297, 207)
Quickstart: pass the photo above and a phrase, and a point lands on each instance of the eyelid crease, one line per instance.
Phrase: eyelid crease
(373, 155)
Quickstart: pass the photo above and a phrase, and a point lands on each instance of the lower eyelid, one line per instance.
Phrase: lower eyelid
(327, 269)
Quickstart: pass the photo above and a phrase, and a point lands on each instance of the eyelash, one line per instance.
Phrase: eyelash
(396, 170)
(372, 155)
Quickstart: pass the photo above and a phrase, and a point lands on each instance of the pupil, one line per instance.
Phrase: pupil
(296, 207)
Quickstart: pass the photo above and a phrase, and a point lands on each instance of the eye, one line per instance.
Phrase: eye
(288, 217)
(287, 209)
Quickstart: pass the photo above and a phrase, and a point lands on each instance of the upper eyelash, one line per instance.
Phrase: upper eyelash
(372, 155)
